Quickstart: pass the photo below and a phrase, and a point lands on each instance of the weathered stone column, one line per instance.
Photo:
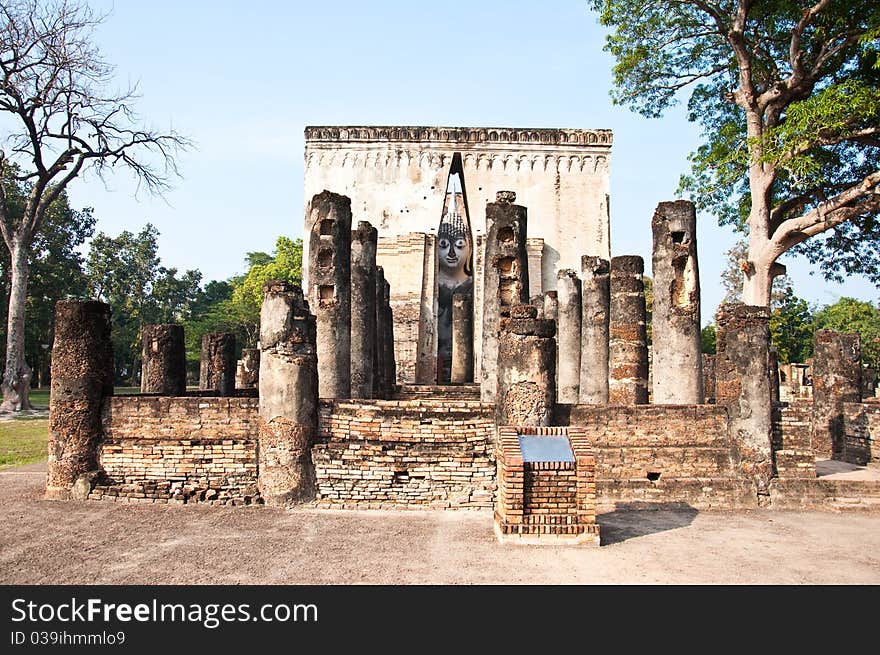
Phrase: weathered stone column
(741, 385)
(677, 361)
(595, 313)
(462, 338)
(568, 336)
(380, 384)
(390, 360)
(837, 369)
(217, 369)
(526, 369)
(163, 355)
(82, 374)
(627, 338)
(363, 309)
(329, 221)
(247, 372)
(288, 422)
(505, 281)
(551, 305)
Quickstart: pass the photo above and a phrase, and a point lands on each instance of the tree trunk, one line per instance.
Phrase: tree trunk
(17, 376)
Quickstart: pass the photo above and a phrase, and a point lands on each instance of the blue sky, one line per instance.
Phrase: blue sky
(244, 79)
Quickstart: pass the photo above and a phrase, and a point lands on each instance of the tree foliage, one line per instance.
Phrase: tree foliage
(125, 271)
(234, 305)
(849, 315)
(787, 95)
(791, 328)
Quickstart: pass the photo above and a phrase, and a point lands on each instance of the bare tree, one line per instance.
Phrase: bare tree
(58, 119)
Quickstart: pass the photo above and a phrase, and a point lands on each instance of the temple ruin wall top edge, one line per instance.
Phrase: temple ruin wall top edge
(457, 135)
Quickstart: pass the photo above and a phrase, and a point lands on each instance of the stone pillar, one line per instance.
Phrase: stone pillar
(462, 338)
(675, 333)
(595, 304)
(247, 372)
(551, 305)
(390, 373)
(82, 374)
(288, 422)
(741, 367)
(505, 279)
(526, 369)
(163, 370)
(708, 378)
(329, 221)
(568, 336)
(837, 368)
(627, 338)
(217, 370)
(380, 384)
(363, 309)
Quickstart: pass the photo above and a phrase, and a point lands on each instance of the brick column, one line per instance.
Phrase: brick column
(217, 370)
(526, 368)
(288, 422)
(329, 221)
(568, 336)
(363, 309)
(627, 338)
(163, 370)
(595, 306)
(837, 367)
(741, 385)
(677, 362)
(82, 375)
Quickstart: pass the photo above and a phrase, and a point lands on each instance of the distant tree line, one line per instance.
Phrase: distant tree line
(126, 272)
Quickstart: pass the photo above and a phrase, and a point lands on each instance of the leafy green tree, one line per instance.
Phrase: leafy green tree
(234, 305)
(788, 97)
(791, 328)
(60, 118)
(849, 315)
(708, 340)
(125, 272)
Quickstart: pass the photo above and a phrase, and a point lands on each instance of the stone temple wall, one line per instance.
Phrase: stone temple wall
(397, 179)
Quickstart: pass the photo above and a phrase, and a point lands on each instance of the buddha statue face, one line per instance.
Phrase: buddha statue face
(454, 252)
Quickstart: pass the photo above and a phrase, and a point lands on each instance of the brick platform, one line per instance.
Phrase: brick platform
(545, 502)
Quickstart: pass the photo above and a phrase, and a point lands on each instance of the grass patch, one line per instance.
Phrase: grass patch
(23, 441)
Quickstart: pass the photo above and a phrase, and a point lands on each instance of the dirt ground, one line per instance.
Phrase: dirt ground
(99, 542)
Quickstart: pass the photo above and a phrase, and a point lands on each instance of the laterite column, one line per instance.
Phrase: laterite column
(217, 370)
(628, 340)
(462, 338)
(288, 422)
(837, 379)
(82, 374)
(164, 360)
(568, 336)
(595, 312)
(363, 309)
(329, 221)
(526, 368)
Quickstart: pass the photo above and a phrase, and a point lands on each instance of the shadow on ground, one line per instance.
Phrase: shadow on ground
(631, 520)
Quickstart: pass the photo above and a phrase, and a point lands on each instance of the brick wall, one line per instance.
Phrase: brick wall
(182, 449)
(861, 425)
(792, 453)
(396, 453)
(663, 454)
